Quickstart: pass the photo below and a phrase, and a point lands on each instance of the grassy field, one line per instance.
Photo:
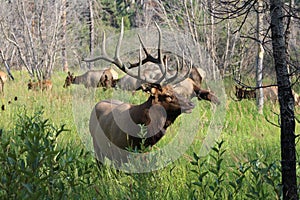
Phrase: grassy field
(44, 151)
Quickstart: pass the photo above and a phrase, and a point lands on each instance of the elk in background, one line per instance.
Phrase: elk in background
(1, 85)
(128, 83)
(244, 93)
(40, 85)
(3, 79)
(93, 78)
(190, 89)
(270, 93)
(113, 122)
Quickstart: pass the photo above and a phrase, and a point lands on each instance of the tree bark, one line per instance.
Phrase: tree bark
(259, 59)
(64, 32)
(92, 32)
(286, 101)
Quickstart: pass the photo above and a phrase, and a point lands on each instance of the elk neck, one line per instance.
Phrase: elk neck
(139, 113)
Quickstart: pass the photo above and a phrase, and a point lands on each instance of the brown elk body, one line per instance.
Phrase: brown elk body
(1, 85)
(92, 78)
(244, 93)
(128, 83)
(3, 79)
(149, 114)
(40, 85)
(270, 93)
(3, 76)
(190, 89)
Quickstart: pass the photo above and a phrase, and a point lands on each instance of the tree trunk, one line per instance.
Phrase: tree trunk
(64, 32)
(286, 101)
(92, 31)
(259, 59)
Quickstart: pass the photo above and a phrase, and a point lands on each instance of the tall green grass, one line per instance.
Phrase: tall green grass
(244, 164)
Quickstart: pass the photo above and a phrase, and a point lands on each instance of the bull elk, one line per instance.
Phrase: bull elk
(40, 85)
(93, 78)
(119, 123)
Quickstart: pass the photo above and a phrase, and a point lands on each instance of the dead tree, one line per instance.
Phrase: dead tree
(286, 101)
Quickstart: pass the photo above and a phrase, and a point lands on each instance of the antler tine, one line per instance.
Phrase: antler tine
(140, 63)
(149, 57)
(104, 55)
(117, 52)
(159, 54)
(144, 48)
(116, 60)
(173, 78)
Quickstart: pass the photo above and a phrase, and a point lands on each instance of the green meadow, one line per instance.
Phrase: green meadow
(45, 149)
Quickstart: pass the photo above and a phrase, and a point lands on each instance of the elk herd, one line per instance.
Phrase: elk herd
(169, 88)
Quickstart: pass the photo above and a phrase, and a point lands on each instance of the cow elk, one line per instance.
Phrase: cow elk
(40, 85)
(119, 123)
(270, 93)
(1, 85)
(3, 79)
(3, 76)
(244, 93)
(93, 78)
(190, 89)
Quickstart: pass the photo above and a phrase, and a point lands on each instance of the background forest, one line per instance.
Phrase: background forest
(42, 36)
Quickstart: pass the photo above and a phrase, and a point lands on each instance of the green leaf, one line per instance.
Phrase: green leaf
(194, 163)
(28, 187)
(197, 183)
(201, 176)
(196, 157)
(11, 160)
(232, 184)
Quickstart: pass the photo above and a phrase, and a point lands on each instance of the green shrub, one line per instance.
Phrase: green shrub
(255, 179)
(32, 165)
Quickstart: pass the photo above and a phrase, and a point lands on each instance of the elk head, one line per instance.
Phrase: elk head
(167, 98)
(208, 95)
(106, 79)
(69, 80)
(30, 84)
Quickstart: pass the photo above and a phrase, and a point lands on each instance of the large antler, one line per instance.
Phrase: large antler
(160, 61)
